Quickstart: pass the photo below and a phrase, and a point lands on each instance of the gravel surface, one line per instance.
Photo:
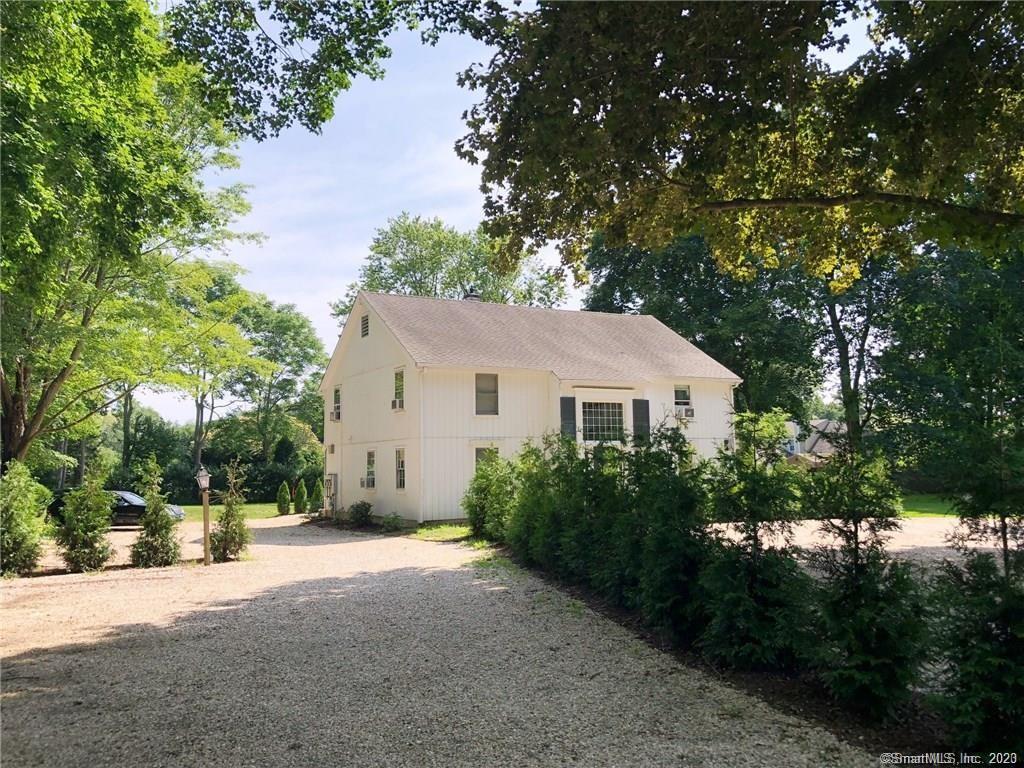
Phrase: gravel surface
(340, 649)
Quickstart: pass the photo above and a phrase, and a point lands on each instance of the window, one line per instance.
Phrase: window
(487, 394)
(331, 448)
(399, 402)
(370, 481)
(486, 454)
(336, 411)
(364, 325)
(400, 468)
(602, 421)
(683, 396)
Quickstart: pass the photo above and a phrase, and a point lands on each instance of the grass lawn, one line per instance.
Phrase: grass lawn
(194, 512)
(448, 532)
(926, 505)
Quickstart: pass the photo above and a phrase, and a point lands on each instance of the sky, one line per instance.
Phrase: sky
(318, 199)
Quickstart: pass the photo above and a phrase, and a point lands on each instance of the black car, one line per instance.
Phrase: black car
(126, 509)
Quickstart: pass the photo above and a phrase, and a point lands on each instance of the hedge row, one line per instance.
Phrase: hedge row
(698, 549)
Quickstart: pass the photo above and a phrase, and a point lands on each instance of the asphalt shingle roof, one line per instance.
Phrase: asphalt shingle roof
(573, 345)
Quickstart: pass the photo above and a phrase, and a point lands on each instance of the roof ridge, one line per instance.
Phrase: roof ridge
(503, 304)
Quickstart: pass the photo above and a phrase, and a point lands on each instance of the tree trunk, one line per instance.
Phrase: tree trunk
(127, 408)
(197, 433)
(848, 391)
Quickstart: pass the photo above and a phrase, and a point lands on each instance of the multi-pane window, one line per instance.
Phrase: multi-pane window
(487, 394)
(336, 411)
(331, 448)
(602, 421)
(371, 469)
(400, 468)
(486, 453)
(399, 401)
(364, 325)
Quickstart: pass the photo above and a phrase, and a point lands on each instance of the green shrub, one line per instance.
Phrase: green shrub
(158, 544)
(284, 498)
(669, 491)
(758, 609)
(981, 621)
(871, 632)
(488, 500)
(316, 498)
(756, 596)
(231, 536)
(82, 534)
(23, 504)
(301, 501)
(360, 514)
(392, 523)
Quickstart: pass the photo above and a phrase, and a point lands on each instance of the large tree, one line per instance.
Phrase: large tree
(284, 338)
(649, 120)
(425, 257)
(766, 330)
(104, 145)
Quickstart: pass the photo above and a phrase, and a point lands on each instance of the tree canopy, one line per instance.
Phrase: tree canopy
(650, 120)
(425, 257)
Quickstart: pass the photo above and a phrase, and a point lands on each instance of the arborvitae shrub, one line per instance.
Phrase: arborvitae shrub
(231, 536)
(489, 498)
(22, 519)
(284, 498)
(756, 595)
(871, 629)
(301, 500)
(360, 513)
(82, 534)
(981, 622)
(316, 499)
(392, 523)
(158, 544)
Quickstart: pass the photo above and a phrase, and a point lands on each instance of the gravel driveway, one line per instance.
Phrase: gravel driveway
(339, 649)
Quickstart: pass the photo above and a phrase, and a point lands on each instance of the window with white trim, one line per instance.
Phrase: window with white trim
(487, 394)
(684, 405)
(336, 409)
(364, 325)
(398, 403)
(603, 422)
(371, 470)
(400, 468)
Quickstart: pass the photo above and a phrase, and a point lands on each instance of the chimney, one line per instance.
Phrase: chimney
(471, 295)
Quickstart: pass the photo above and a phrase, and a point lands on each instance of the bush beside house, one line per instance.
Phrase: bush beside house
(22, 520)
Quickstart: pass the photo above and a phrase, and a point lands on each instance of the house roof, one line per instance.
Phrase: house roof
(589, 346)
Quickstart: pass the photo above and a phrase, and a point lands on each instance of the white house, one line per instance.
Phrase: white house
(419, 389)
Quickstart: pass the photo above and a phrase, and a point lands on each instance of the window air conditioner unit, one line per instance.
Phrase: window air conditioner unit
(397, 405)
(685, 412)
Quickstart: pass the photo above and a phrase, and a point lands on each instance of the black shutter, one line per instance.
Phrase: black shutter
(568, 406)
(641, 420)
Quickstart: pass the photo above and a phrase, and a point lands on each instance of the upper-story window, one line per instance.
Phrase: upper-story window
(398, 403)
(684, 406)
(487, 394)
(364, 325)
(603, 422)
(336, 409)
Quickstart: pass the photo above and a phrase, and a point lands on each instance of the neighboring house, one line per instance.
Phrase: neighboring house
(815, 445)
(419, 390)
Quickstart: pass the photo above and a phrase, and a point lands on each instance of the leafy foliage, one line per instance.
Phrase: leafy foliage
(982, 644)
(360, 513)
(81, 535)
(392, 523)
(284, 499)
(22, 519)
(231, 536)
(766, 329)
(488, 499)
(424, 257)
(157, 544)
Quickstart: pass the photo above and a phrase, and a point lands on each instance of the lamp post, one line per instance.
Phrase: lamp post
(203, 478)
